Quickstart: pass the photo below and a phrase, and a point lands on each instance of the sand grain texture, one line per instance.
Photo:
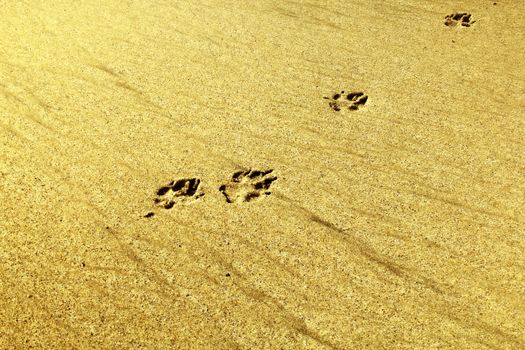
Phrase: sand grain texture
(399, 224)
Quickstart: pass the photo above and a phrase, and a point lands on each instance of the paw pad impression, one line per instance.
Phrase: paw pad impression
(349, 100)
(179, 191)
(247, 185)
(462, 19)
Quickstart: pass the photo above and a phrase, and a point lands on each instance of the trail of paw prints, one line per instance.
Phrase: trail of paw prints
(459, 19)
(182, 191)
(347, 100)
(248, 185)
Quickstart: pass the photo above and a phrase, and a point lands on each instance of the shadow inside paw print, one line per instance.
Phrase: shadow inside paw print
(247, 185)
(463, 19)
(350, 100)
(180, 191)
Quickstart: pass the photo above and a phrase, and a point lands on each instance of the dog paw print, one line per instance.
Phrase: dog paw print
(349, 100)
(179, 191)
(247, 185)
(462, 19)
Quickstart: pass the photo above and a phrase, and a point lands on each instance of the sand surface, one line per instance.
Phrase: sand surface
(129, 217)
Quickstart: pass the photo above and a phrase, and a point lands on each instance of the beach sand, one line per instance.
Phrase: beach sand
(191, 174)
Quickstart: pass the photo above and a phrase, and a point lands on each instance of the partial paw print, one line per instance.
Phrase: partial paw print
(178, 192)
(462, 19)
(349, 100)
(247, 185)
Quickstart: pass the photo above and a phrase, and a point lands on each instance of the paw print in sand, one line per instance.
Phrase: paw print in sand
(247, 185)
(462, 19)
(180, 191)
(350, 100)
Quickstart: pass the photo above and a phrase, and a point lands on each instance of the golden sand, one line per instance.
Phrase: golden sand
(262, 174)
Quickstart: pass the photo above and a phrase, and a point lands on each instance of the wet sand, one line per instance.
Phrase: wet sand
(262, 175)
